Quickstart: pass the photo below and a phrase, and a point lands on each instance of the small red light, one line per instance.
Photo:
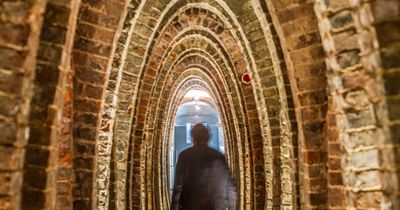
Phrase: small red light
(246, 78)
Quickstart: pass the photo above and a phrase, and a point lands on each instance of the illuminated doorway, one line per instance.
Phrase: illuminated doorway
(197, 107)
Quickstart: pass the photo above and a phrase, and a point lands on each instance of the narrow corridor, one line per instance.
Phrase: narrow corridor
(305, 96)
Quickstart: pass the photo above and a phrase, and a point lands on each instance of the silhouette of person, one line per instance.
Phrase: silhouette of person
(202, 178)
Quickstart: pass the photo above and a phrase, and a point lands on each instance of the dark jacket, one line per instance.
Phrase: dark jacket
(203, 181)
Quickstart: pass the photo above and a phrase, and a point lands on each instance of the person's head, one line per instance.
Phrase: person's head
(200, 135)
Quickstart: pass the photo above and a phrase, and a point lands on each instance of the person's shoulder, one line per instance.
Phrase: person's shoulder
(186, 151)
(216, 153)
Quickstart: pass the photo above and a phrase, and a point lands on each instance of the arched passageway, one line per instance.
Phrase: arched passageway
(89, 91)
(196, 107)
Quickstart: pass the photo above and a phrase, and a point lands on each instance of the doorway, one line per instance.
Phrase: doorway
(197, 107)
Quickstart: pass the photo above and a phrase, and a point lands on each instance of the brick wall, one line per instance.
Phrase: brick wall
(98, 28)
(356, 74)
(298, 35)
(88, 99)
(20, 25)
(53, 63)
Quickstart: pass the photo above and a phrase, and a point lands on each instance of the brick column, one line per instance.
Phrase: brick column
(356, 88)
(20, 24)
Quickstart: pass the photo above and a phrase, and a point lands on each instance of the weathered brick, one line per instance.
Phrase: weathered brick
(13, 34)
(341, 19)
(12, 59)
(336, 146)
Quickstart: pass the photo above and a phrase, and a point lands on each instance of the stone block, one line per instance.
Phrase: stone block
(355, 80)
(356, 140)
(14, 34)
(16, 11)
(312, 98)
(12, 59)
(337, 198)
(11, 158)
(81, 204)
(41, 134)
(366, 42)
(348, 58)
(385, 10)
(35, 177)
(88, 106)
(313, 135)
(50, 53)
(365, 200)
(317, 184)
(360, 119)
(87, 119)
(393, 105)
(64, 173)
(8, 133)
(46, 79)
(314, 157)
(388, 33)
(306, 40)
(54, 34)
(37, 157)
(83, 163)
(90, 61)
(347, 40)
(337, 4)
(32, 199)
(335, 179)
(318, 198)
(311, 83)
(357, 100)
(334, 163)
(368, 159)
(395, 133)
(56, 15)
(392, 84)
(94, 17)
(390, 58)
(341, 19)
(94, 92)
(91, 46)
(85, 133)
(63, 202)
(85, 149)
(95, 33)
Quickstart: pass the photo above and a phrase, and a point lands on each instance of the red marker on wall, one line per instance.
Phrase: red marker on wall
(246, 79)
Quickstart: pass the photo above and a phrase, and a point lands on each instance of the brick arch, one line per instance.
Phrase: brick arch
(277, 192)
(185, 82)
(270, 89)
(319, 124)
(361, 51)
(205, 100)
(136, 172)
(180, 66)
(105, 180)
(97, 32)
(260, 203)
(161, 80)
(295, 27)
(19, 48)
(186, 76)
(48, 154)
(179, 89)
(193, 78)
